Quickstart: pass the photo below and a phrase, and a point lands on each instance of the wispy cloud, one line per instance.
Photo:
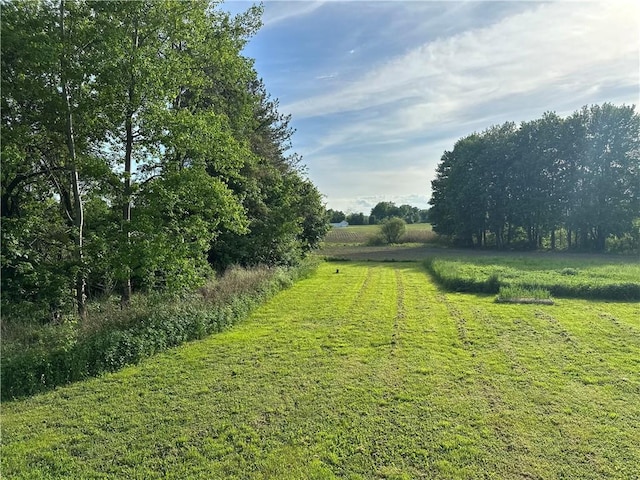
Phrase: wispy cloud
(325, 77)
(279, 11)
(378, 90)
(549, 45)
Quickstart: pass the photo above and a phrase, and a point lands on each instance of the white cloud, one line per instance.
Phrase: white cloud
(559, 45)
(379, 135)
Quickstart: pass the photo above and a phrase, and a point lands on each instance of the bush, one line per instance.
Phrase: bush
(392, 229)
(376, 241)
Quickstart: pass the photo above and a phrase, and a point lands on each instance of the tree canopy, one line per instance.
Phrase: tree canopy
(140, 150)
(523, 185)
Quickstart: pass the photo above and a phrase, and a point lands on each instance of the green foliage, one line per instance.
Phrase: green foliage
(335, 216)
(525, 186)
(180, 152)
(392, 229)
(386, 210)
(376, 240)
(357, 219)
(38, 359)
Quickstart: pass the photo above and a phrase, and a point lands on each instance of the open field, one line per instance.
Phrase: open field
(361, 234)
(369, 373)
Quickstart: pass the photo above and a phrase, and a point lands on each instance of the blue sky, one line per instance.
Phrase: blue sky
(378, 90)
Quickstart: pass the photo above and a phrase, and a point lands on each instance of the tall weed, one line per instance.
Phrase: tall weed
(38, 359)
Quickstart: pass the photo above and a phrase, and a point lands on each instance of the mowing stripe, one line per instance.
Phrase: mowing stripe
(371, 372)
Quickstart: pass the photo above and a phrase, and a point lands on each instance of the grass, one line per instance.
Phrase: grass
(373, 372)
(36, 358)
(603, 277)
(364, 234)
(517, 294)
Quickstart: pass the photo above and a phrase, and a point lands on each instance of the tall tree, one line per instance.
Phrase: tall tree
(608, 171)
(578, 173)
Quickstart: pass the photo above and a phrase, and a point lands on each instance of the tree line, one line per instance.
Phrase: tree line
(140, 151)
(381, 212)
(550, 181)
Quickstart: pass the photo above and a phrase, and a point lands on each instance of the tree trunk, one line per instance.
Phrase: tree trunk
(553, 239)
(78, 207)
(125, 294)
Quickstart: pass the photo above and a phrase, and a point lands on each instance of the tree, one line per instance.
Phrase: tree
(392, 229)
(137, 144)
(538, 174)
(608, 198)
(46, 49)
(357, 219)
(577, 174)
(335, 216)
(384, 210)
(409, 214)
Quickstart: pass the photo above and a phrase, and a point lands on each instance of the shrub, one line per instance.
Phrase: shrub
(392, 229)
(376, 241)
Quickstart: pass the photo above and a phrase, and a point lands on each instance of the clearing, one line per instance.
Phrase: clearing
(372, 372)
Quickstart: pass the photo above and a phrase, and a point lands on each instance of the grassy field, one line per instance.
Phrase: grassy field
(369, 373)
(361, 234)
(602, 277)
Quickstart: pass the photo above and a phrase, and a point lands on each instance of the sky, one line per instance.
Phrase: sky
(378, 90)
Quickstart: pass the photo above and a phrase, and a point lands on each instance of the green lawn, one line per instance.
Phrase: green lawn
(370, 373)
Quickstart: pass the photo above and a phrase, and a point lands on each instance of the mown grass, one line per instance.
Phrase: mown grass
(373, 372)
(606, 278)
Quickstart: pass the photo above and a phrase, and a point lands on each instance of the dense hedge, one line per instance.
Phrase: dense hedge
(450, 279)
(107, 350)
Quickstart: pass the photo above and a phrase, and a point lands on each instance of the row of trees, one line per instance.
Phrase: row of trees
(139, 150)
(525, 184)
(381, 212)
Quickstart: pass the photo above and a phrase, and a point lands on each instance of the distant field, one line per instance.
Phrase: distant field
(372, 372)
(360, 234)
